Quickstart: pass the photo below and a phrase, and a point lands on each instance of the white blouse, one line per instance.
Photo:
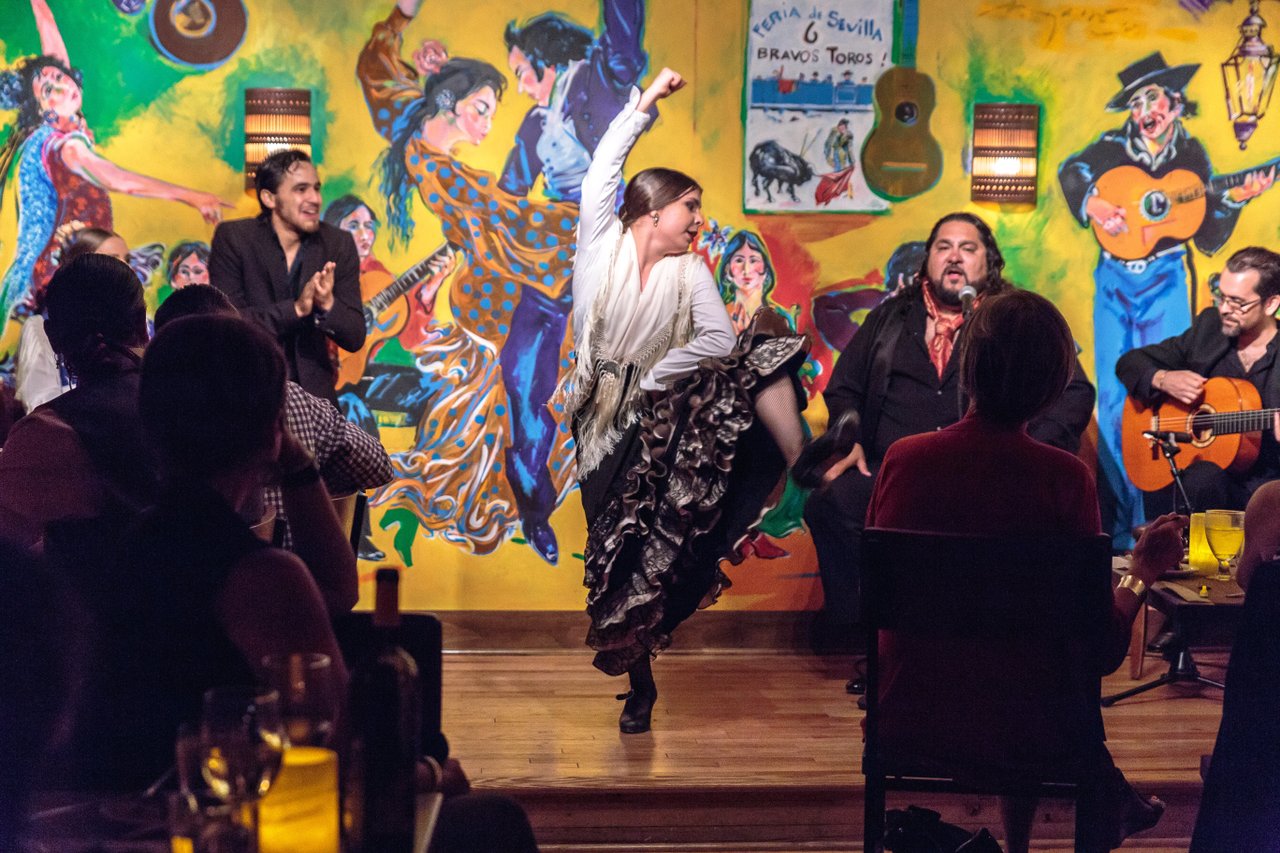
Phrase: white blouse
(635, 313)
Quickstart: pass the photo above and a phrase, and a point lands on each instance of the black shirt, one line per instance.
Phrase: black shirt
(917, 400)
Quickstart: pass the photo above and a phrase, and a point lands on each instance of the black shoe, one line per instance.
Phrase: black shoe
(817, 455)
(637, 711)
(542, 539)
(856, 686)
(369, 551)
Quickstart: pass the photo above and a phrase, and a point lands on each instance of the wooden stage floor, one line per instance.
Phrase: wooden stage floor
(753, 751)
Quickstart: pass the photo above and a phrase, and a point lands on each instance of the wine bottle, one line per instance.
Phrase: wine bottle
(386, 726)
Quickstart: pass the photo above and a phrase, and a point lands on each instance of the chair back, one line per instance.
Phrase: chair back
(421, 636)
(986, 586)
(974, 604)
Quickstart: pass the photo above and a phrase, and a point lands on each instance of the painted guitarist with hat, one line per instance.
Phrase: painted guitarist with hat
(1143, 293)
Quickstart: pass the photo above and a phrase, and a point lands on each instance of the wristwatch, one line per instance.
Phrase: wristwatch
(1135, 585)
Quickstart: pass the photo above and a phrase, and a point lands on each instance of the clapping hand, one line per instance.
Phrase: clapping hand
(317, 292)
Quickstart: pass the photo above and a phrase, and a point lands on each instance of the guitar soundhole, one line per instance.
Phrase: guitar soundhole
(906, 112)
(1155, 206)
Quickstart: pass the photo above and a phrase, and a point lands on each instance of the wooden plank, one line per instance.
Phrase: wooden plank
(749, 749)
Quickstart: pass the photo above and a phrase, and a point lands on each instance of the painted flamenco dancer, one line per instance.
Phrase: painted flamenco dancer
(664, 403)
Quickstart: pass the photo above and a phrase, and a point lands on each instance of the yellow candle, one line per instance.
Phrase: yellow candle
(300, 812)
(1200, 557)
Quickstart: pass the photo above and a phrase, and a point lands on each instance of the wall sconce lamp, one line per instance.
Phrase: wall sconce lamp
(1005, 151)
(1249, 76)
(274, 120)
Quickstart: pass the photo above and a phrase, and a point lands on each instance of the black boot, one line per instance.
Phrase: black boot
(367, 550)
(639, 699)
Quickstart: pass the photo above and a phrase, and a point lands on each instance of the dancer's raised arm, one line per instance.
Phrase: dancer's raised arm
(598, 223)
(51, 43)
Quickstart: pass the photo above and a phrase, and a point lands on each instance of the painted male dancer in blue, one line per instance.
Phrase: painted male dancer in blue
(578, 82)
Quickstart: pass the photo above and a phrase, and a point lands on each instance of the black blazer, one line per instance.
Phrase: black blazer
(1198, 349)
(247, 263)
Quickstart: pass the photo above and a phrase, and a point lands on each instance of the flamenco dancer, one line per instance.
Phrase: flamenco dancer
(664, 404)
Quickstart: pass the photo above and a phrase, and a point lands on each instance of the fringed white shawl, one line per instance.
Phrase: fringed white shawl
(628, 331)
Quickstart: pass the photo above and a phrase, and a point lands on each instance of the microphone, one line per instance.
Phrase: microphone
(967, 295)
(1163, 436)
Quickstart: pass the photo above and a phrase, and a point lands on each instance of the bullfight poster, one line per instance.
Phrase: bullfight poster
(809, 100)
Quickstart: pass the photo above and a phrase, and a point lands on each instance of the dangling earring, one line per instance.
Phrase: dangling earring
(655, 218)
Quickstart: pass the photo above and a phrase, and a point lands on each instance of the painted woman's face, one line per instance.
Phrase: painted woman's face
(56, 92)
(363, 229)
(475, 114)
(747, 269)
(190, 270)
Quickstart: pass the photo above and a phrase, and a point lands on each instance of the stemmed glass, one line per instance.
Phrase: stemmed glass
(1224, 529)
(242, 743)
(308, 696)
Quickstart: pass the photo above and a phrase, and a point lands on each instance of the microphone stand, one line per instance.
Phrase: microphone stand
(1169, 448)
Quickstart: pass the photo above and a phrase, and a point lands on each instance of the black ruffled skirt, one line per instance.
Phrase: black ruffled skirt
(683, 486)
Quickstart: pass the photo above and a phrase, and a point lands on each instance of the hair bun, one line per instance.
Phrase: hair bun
(10, 89)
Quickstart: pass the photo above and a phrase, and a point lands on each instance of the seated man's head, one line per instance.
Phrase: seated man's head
(97, 317)
(192, 301)
(1247, 292)
(1017, 356)
(288, 189)
(961, 250)
(211, 397)
(540, 49)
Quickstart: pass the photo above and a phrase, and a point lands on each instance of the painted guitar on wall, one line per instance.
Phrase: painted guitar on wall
(900, 158)
(1171, 206)
(386, 311)
(1225, 428)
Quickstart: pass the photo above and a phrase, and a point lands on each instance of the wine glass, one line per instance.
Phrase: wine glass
(308, 696)
(242, 743)
(1224, 529)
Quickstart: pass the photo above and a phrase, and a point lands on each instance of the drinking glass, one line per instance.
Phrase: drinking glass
(242, 743)
(1224, 529)
(308, 696)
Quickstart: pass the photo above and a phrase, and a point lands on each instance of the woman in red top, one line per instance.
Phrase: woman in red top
(986, 476)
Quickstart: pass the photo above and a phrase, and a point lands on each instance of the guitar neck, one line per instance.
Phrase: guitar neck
(1225, 423)
(406, 282)
(1222, 183)
(908, 32)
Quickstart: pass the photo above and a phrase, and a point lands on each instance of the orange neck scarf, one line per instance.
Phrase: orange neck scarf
(945, 328)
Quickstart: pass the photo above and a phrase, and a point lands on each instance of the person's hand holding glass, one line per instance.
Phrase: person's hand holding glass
(1224, 530)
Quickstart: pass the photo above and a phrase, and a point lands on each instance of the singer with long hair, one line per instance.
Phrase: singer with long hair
(666, 403)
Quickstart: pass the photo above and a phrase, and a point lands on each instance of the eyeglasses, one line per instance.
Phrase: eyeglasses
(1233, 304)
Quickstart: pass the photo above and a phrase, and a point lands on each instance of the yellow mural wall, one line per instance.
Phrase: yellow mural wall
(1062, 55)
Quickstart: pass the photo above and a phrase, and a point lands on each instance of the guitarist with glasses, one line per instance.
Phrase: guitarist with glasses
(1146, 189)
(1234, 340)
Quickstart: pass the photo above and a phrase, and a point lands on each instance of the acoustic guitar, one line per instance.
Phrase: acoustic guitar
(900, 158)
(1172, 206)
(386, 312)
(1225, 428)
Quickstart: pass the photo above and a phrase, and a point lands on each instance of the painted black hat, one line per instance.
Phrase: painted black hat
(1150, 71)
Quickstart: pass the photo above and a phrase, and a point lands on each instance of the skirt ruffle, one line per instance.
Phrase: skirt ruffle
(676, 500)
